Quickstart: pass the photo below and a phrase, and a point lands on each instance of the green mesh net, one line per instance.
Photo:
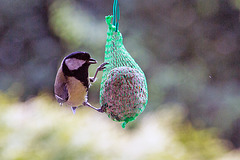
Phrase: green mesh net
(123, 90)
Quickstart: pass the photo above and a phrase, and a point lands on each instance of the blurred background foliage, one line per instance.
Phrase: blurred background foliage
(39, 129)
(189, 51)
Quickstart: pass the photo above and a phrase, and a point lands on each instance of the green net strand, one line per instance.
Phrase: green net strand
(123, 91)
(116, 14)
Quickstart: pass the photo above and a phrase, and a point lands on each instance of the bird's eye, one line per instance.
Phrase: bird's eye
(73, 63)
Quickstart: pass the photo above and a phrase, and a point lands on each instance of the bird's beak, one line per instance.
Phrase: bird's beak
(92, 61)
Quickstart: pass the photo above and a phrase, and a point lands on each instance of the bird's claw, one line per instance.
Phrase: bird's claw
(102, 109)
(92, 79)
(102, 66)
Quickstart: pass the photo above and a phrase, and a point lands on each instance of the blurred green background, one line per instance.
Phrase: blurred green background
(189, 51)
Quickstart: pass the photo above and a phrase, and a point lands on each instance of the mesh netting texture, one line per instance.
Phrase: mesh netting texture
(123, 89)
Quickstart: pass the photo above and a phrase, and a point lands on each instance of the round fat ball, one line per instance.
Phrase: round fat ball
(124, 94)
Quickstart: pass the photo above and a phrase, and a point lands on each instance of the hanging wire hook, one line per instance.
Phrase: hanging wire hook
(116, 14)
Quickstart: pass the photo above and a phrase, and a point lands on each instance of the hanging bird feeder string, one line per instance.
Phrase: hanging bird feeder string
(116, 14)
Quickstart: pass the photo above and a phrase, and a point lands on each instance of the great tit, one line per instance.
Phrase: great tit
(72, 81)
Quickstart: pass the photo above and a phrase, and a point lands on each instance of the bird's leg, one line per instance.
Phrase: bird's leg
(74, 109)
(102, 109)
(100, 68)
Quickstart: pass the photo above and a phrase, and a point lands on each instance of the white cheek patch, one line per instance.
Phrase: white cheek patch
(73, 63)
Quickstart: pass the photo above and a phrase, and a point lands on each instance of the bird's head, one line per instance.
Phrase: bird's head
(76, 61)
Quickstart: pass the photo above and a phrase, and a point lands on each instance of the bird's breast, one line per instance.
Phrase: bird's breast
(77, 92)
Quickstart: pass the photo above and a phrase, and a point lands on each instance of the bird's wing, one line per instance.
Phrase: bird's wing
(60, 88)
(62, 95)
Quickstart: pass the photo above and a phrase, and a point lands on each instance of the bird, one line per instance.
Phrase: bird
(72, 80)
